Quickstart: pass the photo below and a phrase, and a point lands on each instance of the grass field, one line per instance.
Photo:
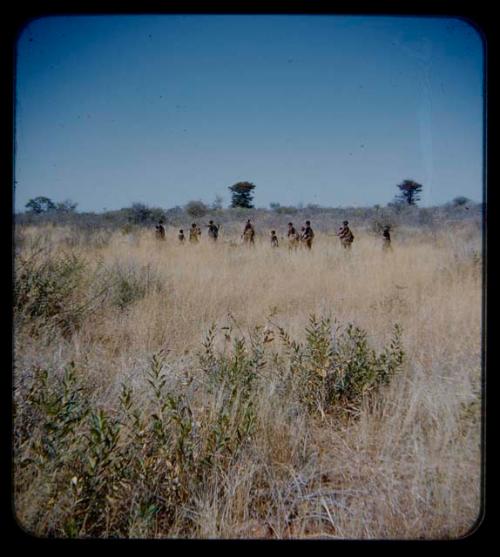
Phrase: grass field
(187, 391)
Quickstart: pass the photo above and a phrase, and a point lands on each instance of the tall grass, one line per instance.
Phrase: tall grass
(223, 391)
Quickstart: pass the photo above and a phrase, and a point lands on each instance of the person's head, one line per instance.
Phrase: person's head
(160, 221)
(290, 224)
(273, 232)
(308, 223)
(193, 225)
(181, 231)
(248, 221)
(210, 222)
(346, 223)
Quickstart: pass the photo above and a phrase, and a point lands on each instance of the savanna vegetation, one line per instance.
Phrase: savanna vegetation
(218, 391)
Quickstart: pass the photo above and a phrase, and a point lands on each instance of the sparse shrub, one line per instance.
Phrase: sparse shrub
(141, 214)
(425, 217)
(45, 291)
(196, 209)
(283, 210)
(129, 284)
(127, 228)
(128, 289)
(90, 238)
(66, 206)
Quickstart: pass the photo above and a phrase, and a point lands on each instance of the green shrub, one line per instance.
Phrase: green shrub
(232, 377)
(46, 291)
(136, 467)
(49, 416)
(129, 284)
(335, 372)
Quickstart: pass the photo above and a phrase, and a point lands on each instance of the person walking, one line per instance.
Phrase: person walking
(248, 233)
(274, 239)
(345, 235)
(160, 230)
(194, 233)
(386, 235)
(293, 237)
(213, 230)
(308, 235)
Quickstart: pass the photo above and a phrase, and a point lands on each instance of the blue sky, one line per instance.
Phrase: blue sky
(164, 109)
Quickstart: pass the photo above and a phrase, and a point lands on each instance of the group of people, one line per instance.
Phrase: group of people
(194, 232)
(303, 238)
(296, 239)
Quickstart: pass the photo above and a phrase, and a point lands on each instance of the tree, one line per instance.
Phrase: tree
(196, 209)
(66, 206)
(141, 214)
(460, 201)
(138, 213)
(40, 205)
(242, 194)
(410, 192)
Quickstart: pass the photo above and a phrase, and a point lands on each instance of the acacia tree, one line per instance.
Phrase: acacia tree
(409, 192)
(242, 194)
(40, 205)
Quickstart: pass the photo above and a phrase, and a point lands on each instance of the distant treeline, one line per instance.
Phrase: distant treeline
(322, 218)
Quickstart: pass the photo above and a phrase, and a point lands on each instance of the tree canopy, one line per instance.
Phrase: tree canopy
(196, 209)
(139, 213)
(409, 192)
(242, 194)
(460, 201)
(40, 205)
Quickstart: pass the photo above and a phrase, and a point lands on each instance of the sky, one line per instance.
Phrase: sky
(327, 110)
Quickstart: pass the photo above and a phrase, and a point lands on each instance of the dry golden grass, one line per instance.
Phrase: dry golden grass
(409, 467)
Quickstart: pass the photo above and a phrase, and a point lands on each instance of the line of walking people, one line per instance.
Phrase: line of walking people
(303, 238)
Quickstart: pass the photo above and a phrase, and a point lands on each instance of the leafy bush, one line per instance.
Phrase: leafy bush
(107, 472)
(45, 291)
(196, 209)
(139, 213)
(128, 284)
(136, 467)
(49, 413)
(336, 372)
